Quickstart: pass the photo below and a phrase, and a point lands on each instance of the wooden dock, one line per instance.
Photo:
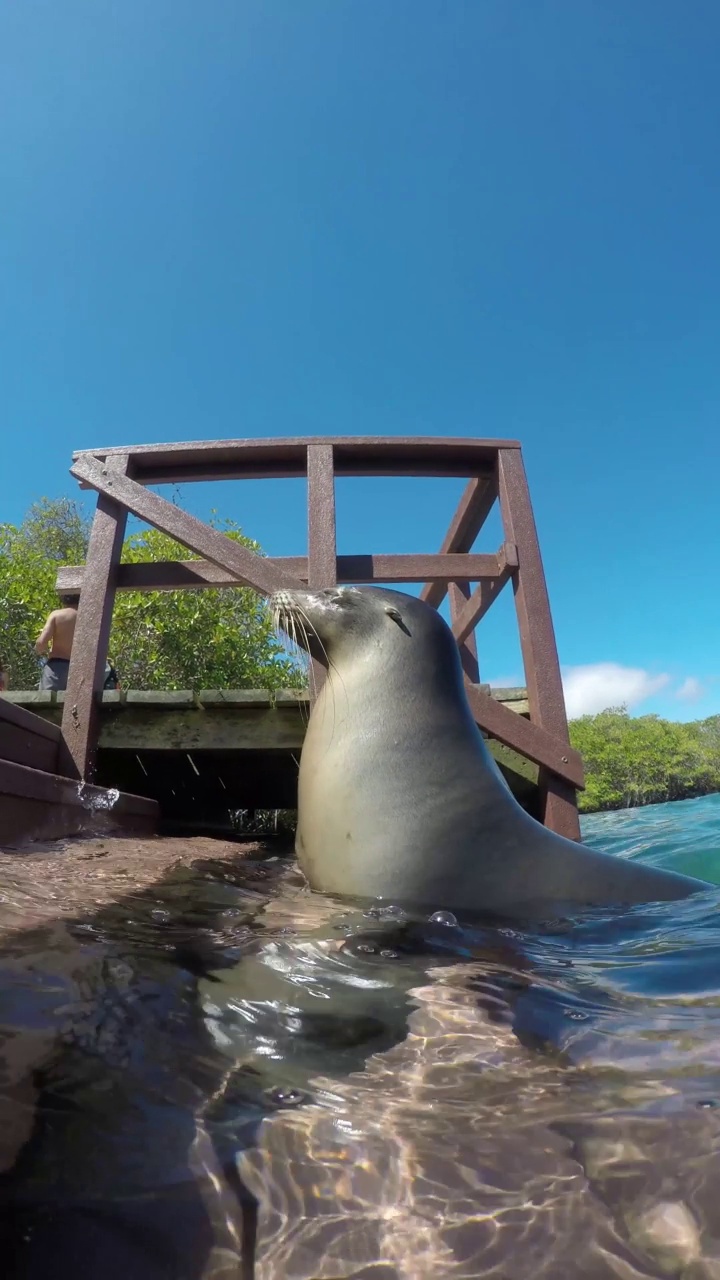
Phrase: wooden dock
(197, 755)
(201, 755)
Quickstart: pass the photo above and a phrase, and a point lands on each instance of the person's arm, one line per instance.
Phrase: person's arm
(43, 641)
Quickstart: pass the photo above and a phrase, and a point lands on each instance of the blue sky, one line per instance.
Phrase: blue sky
(492, 218)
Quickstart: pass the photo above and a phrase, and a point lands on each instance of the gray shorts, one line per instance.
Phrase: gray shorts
(54, 674)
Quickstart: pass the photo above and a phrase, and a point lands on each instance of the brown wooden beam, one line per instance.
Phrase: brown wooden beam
(322, 565)
(354, 455)
(470, 516)
(529, 739)
(52, 788)
(245, 566)
(459, 593)
(175, 575)
(467, 618)
(86, 674)
(322, 535)
(537, 641)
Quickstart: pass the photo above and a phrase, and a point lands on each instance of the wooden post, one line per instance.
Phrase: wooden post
(459, 593)
(537, 638)
(322, 536)
(86, 676)
(472, 512)
(322, 539)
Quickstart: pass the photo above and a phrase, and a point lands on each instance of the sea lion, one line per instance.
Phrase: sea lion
(398, 796)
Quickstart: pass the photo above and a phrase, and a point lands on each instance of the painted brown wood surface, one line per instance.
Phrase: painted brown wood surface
(36, 784)
(15, 711)
(530, 739)
(477, 603)
(459, 594)
(26, 738)
(322, 534)
(174, 575)
(472, 512)
(251, 569)
(86, 674)
(26, 747)
(322, 565)
(36, 805)
(537, 641)
(201, 460)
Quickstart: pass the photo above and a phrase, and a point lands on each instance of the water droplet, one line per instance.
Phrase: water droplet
(705, 1104)
(369, 947)
(388, 954)
(444, 917)
(160, 915)
(385, 913)
(97, 798)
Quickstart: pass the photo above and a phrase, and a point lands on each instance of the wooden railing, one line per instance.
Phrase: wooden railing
(473, 581)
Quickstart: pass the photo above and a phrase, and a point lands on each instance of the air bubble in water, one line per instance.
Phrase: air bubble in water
(385, 913)
(444, 917)
(286, 1097)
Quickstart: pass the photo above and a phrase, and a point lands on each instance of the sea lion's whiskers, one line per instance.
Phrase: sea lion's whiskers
(331, 666)
(288, 620)
(292, 619)
(304, 623)
(297, 624)
(285, 626)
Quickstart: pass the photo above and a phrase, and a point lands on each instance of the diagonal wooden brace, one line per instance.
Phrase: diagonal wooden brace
(485, 594)
(525, 737)
(251, 570)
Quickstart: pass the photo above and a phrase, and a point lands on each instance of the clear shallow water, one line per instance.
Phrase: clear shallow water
(206, 1071)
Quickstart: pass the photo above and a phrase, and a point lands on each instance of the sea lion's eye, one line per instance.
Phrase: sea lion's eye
(396, 616)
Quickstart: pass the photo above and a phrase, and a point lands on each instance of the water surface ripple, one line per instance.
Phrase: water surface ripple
(207, 1071)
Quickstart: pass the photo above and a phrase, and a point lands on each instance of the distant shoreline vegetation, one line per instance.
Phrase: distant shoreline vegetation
(637, 760)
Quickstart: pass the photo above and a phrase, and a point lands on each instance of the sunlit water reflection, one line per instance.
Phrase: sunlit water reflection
(208, 1071)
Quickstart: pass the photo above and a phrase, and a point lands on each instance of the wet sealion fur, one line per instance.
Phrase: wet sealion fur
(398, 795)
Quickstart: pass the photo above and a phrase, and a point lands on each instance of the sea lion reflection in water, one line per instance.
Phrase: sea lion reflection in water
(398, 796)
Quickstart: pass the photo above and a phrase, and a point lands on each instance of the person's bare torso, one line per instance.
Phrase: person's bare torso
(63, 630)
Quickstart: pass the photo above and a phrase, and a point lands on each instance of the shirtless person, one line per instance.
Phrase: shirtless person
(57, 635)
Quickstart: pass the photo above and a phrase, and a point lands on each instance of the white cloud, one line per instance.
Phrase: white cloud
(599, 685)
(690, 690)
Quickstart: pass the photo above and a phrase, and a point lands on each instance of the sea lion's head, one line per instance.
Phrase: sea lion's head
(343, 619)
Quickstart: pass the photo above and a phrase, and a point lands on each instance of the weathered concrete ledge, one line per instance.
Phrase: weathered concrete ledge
(208, 720)
(205, 751)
